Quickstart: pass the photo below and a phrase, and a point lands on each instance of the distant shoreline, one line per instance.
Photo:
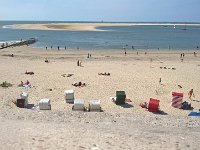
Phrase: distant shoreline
(90, 26)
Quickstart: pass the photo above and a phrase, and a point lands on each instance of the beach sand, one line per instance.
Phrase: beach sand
(117, 127)
(89, 26)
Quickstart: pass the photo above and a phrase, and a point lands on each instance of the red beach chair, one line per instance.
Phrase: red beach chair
(153, 105)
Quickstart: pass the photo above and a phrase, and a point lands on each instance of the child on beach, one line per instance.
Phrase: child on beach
(190, 94)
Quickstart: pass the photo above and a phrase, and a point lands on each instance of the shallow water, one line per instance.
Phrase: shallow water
(116, 37)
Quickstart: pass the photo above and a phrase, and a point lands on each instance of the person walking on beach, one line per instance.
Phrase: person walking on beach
(160, 81)
(65, 47)
(125, 52)
(190, 94)
(58, 48)
(78, 63)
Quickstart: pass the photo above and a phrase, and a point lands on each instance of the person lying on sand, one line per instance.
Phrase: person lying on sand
(26, 84)
(144, 105)
(6, 84)
(29, 72)
(105, 74)
(67, 75)
(79, 84)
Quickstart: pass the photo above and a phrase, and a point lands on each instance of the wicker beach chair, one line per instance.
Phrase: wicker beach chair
(177, 99)
(153, 105)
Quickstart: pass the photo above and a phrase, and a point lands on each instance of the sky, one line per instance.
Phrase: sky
(101, 10)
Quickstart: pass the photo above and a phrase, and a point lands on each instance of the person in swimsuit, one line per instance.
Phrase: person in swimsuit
(190, 94)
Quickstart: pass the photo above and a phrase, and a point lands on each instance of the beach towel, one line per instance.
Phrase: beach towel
(25, 86)
(194, 113)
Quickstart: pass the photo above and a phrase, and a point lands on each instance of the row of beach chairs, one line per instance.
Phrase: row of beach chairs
(94, 105)
(78, 104)
(153, 104)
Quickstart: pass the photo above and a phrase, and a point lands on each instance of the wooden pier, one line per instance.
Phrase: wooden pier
(21, 43)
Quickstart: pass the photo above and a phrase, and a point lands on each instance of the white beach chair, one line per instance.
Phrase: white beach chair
(69, 96)
(24, 96)
(78, 105)
(94, 106)
(44, 104)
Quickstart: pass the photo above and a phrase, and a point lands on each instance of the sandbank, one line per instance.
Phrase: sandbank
(89, 26)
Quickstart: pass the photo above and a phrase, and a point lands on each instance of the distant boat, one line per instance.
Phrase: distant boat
(174, 26)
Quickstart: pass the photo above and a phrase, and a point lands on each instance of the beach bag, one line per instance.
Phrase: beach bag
(186, 105)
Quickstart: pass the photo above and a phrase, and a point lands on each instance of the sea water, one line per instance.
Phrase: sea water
(115, 37)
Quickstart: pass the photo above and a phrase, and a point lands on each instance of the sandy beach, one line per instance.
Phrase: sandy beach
(90, 26)
(117, 127)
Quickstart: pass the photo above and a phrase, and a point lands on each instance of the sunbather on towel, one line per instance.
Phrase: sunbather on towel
(106, 74)
(26, 85)
(79, 84)
(30, 72)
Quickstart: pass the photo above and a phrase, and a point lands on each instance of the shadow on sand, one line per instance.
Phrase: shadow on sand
(161, 113)
(30, 106)
(126, 105)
